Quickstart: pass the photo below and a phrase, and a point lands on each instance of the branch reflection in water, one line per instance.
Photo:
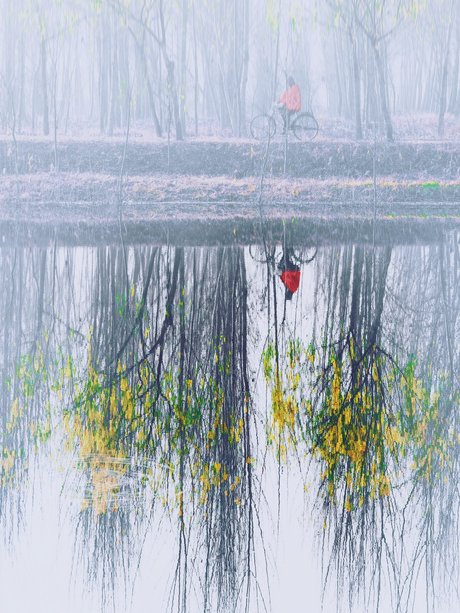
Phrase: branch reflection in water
(152, 364)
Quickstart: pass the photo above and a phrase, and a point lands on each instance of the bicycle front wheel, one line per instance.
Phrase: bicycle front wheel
(305, 127)
(262, 127)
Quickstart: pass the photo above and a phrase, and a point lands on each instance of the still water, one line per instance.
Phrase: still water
(272, 427)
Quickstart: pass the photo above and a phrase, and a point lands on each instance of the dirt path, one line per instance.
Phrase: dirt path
(319, 160)
(154, 190)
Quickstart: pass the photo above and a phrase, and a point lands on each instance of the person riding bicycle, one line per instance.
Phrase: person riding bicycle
(290, 102)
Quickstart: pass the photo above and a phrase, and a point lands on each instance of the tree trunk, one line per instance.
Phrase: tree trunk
(151, 97)
(357, 88)
(244, 76)
(383, 93)
(172, 89)
(195, 62)
(114, 90)
(277, 54)
(169, 64)
(338, 107)
(156, 121)
(445, 74)
(236, 106)
(46, 121)
(455, 76)
(183, 68)
(103, 81)
(21, 88)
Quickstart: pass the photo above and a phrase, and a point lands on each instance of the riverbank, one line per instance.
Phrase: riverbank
(102, 190)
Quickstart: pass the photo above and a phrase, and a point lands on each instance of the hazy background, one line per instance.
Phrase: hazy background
(201, 67)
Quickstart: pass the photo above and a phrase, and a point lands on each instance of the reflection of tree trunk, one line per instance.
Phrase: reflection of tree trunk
(362, 303)
(41, 296)
(356, 292)
(379, 284)
(343, 286)
(228, 534)
(447, 304)
(183, 544)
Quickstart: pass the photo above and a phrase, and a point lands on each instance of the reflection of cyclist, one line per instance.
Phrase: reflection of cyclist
(289, 274)
(290, 102)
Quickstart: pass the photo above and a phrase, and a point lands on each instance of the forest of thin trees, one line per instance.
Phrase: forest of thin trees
(191, 67)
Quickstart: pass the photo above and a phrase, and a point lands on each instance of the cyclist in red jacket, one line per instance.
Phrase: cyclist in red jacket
(290, 102)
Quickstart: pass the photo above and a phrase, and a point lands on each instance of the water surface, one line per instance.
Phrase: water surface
(272, 426)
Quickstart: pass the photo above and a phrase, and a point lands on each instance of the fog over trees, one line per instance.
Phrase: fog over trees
(230, 308)
(194, 67)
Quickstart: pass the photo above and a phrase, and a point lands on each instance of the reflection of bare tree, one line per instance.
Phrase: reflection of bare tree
(352, 410)
(398, 386)
(428, 303)
(28, 357)
(168, 387)
(162, 419)
(373, 395)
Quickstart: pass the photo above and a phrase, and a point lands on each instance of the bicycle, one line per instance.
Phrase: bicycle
(263, 127)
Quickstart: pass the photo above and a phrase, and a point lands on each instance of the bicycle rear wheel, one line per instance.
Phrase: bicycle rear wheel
(305, 127)
(262, 127)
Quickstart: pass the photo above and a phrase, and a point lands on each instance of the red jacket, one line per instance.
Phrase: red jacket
(291, 279)
(291, 99)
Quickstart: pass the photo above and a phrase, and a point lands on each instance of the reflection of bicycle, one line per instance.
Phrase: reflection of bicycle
(264, 127)
(270, 255)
